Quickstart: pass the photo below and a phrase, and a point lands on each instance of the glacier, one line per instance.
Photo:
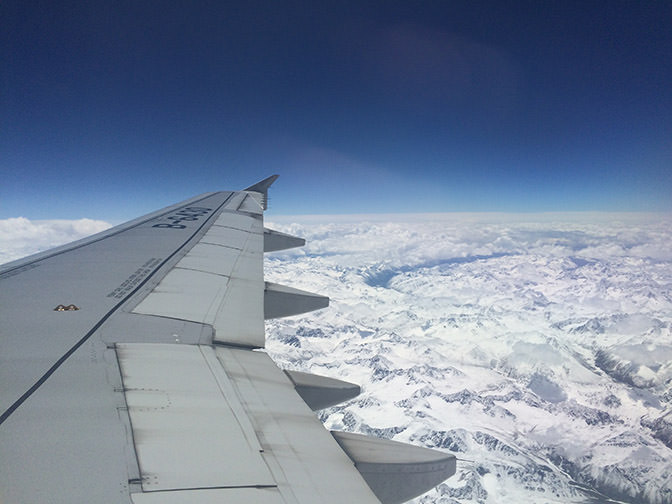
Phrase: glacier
(536, 347)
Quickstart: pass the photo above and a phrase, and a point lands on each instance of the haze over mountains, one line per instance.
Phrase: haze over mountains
(538, 348)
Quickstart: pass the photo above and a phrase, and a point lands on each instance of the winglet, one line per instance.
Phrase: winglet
(262, 187)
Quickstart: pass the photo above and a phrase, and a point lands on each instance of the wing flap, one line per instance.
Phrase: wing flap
(307, 465)
(186, 294)
(187, 420)
(211, 258)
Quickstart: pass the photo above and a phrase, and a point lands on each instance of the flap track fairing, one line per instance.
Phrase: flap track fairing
(275, 240)
(283, 301)
(320, 392)
(396, 472)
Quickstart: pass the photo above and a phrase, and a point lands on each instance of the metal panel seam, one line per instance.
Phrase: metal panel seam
(130, 421)
(201, 271)
(228, 392)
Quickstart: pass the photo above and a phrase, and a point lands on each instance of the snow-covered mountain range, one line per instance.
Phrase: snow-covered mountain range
(537, 348)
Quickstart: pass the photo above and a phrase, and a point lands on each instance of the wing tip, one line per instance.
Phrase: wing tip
(262, 187)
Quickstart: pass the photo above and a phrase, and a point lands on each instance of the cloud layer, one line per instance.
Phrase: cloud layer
(20, 237)
(426, 238)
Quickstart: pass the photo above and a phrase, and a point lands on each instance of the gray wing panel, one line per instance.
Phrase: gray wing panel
(307, 465)
(13, 266)
(64, 432)
(223, 419)
(190, 430)
(97, 276)
(220, 281)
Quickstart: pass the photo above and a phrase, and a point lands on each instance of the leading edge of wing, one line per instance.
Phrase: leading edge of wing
(119, 228)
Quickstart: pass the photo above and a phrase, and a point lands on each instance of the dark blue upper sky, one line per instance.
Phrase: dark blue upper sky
(110, 109)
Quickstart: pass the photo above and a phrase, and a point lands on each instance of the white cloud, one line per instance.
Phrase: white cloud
(426, 238)
(20, 237)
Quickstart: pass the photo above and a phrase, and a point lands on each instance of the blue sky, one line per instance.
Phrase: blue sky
(110, 110)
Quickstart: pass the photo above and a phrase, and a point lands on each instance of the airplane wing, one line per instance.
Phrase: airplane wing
(132, 370)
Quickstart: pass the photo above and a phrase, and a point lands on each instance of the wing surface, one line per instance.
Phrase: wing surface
(132, 370)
